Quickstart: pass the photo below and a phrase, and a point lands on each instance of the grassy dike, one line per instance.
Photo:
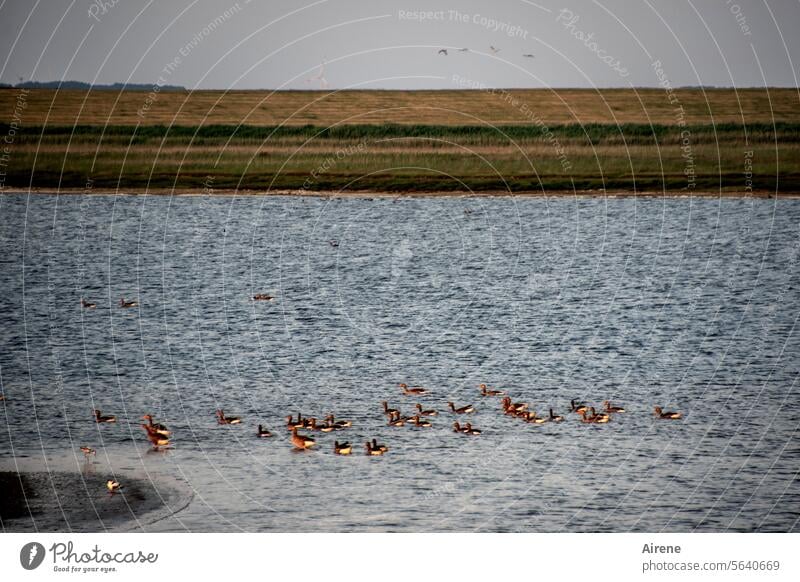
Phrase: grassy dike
(525, 150)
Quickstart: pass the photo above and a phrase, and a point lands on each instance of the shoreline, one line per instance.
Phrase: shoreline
(60, 501)
(244, 193)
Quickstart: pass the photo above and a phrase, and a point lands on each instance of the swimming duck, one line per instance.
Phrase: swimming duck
(589, 417)
(301, 441)
(417, 422)
(578, 407)
(155, 438)
(555, 417)
(262, 297)
(222, 419)
(159, 428)
(98, 417)
(389, 411)
(321, 427)
(262, 432)
(425, 412)
(395, 420)
(534, 419)
(87, 305)
(372, 451)
(668, 415)
(608, 408)
(342, 449)
(290, 423)
(412, 391)
(466, 429)
(485, 391)
(126, 304)
(88, 451)
(333, 242)
(470, 431)
(513, 407)
(338, 424)
(113, 486)
(468, 409)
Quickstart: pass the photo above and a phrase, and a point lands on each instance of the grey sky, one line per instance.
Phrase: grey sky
(382, 44)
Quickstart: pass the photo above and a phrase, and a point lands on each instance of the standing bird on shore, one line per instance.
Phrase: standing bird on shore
(113, 486)
(157, 439)
(99, 418)
(159, 428)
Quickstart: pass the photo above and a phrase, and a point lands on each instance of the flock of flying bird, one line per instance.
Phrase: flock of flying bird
(491, 48)
(320, 79)
(158, 434)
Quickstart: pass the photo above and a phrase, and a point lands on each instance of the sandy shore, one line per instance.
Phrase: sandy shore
(80, 502)
(761, 194)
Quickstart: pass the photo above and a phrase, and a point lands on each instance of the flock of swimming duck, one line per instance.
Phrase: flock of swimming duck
(158, 434)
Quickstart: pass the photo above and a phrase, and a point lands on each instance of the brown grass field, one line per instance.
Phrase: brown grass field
(467, 107)
(537, 141)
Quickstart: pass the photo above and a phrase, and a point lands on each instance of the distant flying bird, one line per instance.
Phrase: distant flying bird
(529, 56)
(494, 50)
(443, 52)
(323, 82)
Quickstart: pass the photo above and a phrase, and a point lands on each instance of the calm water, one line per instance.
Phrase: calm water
(690, 304)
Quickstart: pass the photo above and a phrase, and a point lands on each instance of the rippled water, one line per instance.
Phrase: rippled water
(689, 304)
